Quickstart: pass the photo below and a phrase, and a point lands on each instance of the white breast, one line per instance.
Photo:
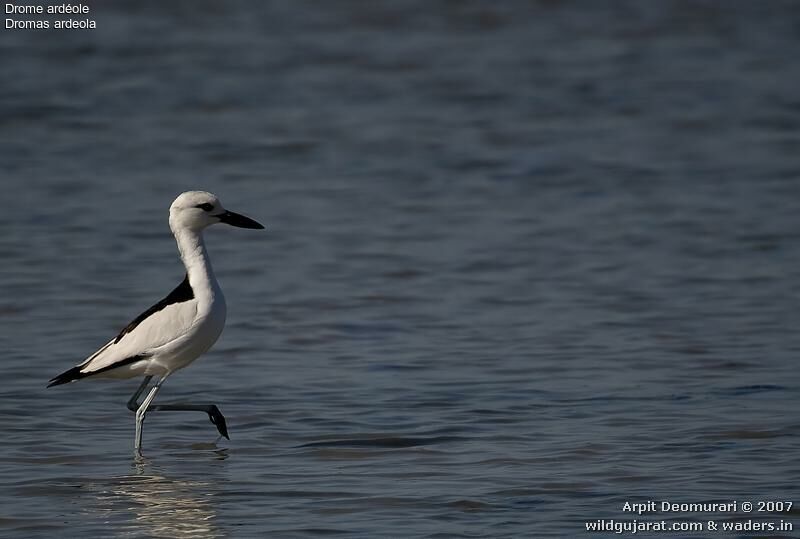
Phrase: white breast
(199, 337)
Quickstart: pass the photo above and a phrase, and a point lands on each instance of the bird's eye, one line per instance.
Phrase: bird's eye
(205, 206)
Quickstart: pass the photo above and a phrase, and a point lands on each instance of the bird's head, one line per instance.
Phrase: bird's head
(195, 210)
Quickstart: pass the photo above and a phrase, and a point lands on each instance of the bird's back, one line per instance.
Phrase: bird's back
(166, 337)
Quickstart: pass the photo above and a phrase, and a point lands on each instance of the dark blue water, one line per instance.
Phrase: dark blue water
(525, 261)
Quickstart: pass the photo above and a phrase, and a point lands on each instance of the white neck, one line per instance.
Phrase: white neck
(198, 266)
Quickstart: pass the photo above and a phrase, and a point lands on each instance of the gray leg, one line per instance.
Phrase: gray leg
(213, 412)
(140, 413)
(133, 403)
(216, 417)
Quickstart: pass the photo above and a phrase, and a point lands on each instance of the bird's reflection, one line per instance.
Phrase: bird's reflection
(162, 507)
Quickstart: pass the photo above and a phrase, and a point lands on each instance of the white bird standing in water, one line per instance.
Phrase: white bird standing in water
(179, 328)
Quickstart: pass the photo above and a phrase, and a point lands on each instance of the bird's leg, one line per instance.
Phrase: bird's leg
(133, 403)
(216, 417)
(142, 410)
(213, 412)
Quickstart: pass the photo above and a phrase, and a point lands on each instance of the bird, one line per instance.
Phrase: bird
(178, 329)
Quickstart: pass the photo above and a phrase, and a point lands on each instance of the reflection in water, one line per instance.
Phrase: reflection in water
(162, 507)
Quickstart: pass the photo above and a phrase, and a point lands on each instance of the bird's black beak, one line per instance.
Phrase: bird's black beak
(235, 219)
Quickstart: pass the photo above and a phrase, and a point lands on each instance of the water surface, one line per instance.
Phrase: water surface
(525, 261)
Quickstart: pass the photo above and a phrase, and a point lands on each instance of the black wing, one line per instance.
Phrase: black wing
(183, 292)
